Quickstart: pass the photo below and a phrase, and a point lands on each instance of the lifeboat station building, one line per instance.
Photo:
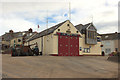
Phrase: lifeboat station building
(65, 39)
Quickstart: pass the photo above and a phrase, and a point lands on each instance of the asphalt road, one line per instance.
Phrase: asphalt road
(58, 67)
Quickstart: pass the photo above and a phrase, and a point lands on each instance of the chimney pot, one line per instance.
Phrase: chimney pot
(30, 30)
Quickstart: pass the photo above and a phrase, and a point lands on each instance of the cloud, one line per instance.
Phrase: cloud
(16, 24)
(103, 27)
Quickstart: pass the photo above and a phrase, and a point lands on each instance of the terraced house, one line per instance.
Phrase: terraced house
(65, 39)
(11, 39)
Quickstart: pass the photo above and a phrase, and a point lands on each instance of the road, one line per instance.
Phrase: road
(58, 67)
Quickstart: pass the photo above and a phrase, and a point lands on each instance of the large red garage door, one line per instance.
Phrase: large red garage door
(68, 45)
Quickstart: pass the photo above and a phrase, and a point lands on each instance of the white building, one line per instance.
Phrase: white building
(65, 39)
(110, 42)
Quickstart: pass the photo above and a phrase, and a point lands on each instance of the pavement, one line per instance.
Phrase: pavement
(58, 67)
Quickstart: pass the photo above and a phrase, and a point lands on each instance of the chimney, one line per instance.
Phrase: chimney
(30, 30)
(10, 31)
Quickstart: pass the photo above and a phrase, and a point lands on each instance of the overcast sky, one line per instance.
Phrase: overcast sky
(22, 15)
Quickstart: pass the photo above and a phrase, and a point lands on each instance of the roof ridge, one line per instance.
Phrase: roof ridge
(109, 33)
(52, 26)
(78, 25)
(87, 24)
(47, 31)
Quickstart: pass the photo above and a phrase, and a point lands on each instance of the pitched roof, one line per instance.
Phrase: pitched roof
(10, 36)
(28, 35)
(82, 27)
(79, 27)
(7, 36)
(110, 36)
(47, 31)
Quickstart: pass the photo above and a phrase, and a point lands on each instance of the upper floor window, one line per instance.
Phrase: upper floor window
(20, 34)
(23, 33)
(58, 29)
(98, 39)
(30, 34)
(106, 36)
(68, 25)
(19, 40)
(76, 31)
(92, 34)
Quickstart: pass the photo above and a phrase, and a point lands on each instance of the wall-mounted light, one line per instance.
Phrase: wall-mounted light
(80, 48)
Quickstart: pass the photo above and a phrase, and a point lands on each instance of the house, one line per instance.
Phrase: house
(65, 39)
(6, 40)
(110, 42)
(21, 38)
(91, 40)
(15, 38)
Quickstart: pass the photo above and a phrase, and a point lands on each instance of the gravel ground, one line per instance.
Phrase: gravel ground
(58, 67)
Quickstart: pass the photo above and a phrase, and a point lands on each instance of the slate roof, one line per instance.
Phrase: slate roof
(82, 27)
(110, 36)
(10, 36)
(79, 27)
(28, 35)
(47, 31)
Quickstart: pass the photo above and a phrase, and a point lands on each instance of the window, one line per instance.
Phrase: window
(68, 25)
(14, 41)
(95, 35)
(88, 34)
(23, 33)
(108, 50)
(116, 49)
(106, 36)
(68, 31)
(19, 40)
(58, 29)
(86, 50)
(20, 34)
(92, 34)
(98, 39)
(107, 43)
(30, 34)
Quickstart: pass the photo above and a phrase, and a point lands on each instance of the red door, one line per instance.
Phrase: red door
(74, 46)
(68, 45)
(63, 47)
